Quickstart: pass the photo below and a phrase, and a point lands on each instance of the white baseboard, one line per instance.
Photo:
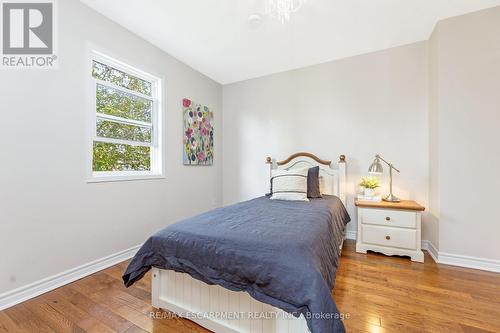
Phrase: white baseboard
(26, 292)
(469, 262)
(431, 249)
(351, 234)
(461, 260)
(450, 258)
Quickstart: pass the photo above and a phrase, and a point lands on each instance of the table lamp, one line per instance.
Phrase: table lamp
(377, 169)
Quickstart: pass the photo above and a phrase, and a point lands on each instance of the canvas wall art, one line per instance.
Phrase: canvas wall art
(198, 134)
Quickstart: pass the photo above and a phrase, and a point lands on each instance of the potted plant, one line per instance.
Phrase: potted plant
(369, 184)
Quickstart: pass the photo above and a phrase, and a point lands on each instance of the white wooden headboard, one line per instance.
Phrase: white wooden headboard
(332, 178)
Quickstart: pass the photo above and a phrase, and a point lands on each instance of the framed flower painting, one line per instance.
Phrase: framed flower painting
(198, 134)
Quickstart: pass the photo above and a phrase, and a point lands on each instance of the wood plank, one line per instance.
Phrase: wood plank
(135, 329)
(402, 205)
(7, 325)
(26, 320)
(83, 319)
(54, 319)
(96, 310)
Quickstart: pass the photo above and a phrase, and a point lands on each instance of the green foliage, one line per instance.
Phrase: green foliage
(116, 157)
(370, 182)
(120, 104)
(109, 74)
(109, 101)
(111, 129)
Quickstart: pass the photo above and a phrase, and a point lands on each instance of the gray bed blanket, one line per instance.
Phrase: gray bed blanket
(283, 253)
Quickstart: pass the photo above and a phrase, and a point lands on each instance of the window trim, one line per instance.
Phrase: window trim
(157, 114)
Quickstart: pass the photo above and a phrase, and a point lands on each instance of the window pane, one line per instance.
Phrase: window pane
(109, 74)
(111, 129)
(117, 157)
(120, 104)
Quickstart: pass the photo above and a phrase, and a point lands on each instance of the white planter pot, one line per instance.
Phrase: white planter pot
(369, 192)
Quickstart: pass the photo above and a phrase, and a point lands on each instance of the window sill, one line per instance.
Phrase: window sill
(102, 178)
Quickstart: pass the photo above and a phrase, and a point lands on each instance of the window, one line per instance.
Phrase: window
(126, 118)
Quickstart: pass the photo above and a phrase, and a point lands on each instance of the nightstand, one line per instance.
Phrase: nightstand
(390, 228)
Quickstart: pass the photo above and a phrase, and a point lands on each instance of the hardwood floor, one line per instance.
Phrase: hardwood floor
(393, 294)
(374, 292)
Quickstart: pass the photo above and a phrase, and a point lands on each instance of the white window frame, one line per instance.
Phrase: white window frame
(157, 162)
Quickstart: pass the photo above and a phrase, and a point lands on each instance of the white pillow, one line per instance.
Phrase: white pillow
(289, 184)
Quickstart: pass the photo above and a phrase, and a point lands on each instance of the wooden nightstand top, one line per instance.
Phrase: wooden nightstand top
(403, 205)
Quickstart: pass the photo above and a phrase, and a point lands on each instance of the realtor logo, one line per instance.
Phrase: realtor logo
(28, 34)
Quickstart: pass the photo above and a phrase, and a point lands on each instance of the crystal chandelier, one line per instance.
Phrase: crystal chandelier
(282, 9)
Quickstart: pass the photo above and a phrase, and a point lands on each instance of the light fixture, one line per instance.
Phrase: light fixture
(377, 169)
(255, 19)
(282, 9)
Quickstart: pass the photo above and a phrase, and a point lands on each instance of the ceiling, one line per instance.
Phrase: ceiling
(216, 38)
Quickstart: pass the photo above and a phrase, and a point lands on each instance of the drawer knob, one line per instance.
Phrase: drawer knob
(387, 237)
(387, 218)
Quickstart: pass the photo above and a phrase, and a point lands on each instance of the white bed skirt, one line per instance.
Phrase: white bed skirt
(218, 309)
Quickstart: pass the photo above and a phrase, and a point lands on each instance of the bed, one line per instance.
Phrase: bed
(257, 266)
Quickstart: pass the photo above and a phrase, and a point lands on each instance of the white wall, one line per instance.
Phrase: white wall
(360, 106)
(51, 220)
(467, 121)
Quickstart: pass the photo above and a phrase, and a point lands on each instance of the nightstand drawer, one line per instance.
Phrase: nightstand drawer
(391, 218)
(387, 236)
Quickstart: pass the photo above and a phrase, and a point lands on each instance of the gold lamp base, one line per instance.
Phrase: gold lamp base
(391, 198)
